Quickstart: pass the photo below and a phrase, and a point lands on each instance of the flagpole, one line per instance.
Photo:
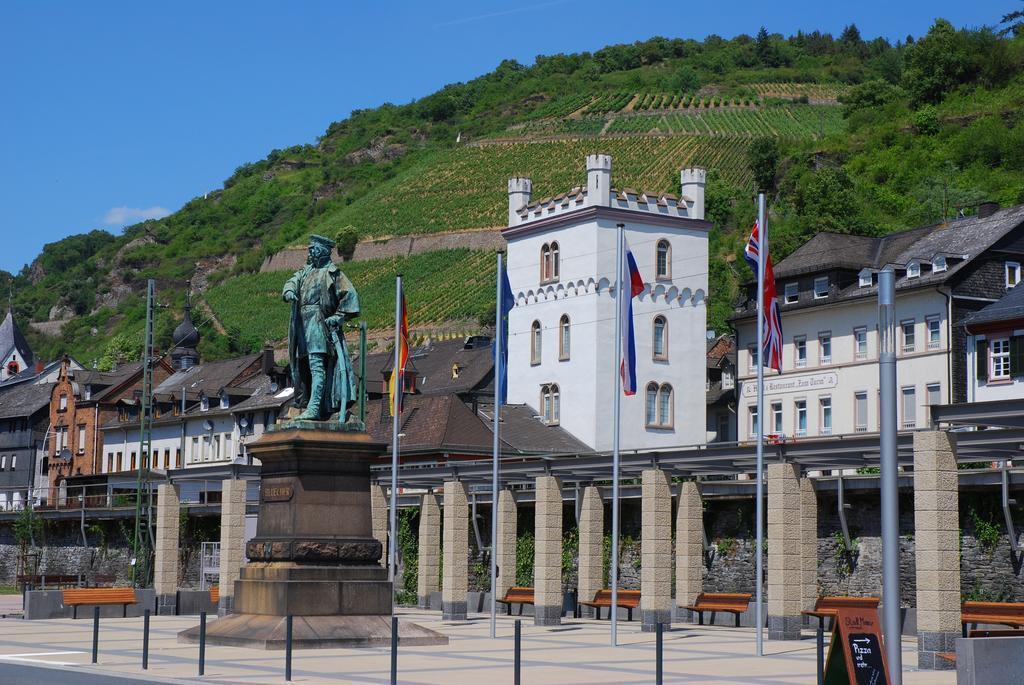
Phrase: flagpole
(398, 383)
(499, 325)
(762, 258)
(615, 438)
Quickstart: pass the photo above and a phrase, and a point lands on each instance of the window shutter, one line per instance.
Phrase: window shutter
(981, 353)
(1016, 355)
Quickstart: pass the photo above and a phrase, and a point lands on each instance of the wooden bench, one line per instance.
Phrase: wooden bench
(996, 613)
(828, 607)
(517, 595)
(44, 580)
(627, 599)
(99, 596)
(215, 594)
(729, 602)
(103, 580)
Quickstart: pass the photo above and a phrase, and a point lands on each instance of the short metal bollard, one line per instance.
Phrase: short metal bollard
(202, 643)
(394, 650)
(288, 648)
(517, 659)
(145, 640)
(821, 655)
(658, 653)
(95, 633)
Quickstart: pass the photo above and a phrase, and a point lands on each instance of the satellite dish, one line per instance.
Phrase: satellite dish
(273, 386)
(243, 422)
(208, 424)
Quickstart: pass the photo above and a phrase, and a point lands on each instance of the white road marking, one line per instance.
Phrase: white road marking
(28, 657)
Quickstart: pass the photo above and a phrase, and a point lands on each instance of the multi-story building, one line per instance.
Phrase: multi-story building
(721, 388)
(562, 271)
(828, 302)
(16, 354)
(24, 418)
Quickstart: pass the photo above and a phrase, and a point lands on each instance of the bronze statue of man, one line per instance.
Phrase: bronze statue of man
(322, 299)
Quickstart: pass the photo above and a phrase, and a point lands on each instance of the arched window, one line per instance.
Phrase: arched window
(535, 343)
(554, 261)
(663, 260)
(660, 339)
(659, 408)
(651, 405)
(563, 337)
(545, 263)
(550, 403)
(665, 401)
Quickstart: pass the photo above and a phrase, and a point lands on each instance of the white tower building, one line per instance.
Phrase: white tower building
(561, 266)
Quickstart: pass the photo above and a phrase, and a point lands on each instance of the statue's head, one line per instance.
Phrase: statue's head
(320, 250)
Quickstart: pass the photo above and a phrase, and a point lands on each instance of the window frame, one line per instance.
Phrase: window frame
(939, 264)
(928, 389)
(857, 426)
(664, 416)
(799, 343)
(824, 359)
(1015, 267)
(817, 281)
(911, 347)
(937, 321)
(536, 342)
(666, 274)
(865, 279)
(857, 354)
(913, 269)
(825, 427)
(786, 293)
(800, 407)
(904, 392)
(663, 355)
(777, 425)
(550, 403)
(752, 357)
(752, 414)
(80, 435)
(564, 338)
(1003, 357)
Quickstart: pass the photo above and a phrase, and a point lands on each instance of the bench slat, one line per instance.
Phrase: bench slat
(99, 596)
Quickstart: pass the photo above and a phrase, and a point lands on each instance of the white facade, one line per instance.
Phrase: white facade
(834, 380)
(562, 267)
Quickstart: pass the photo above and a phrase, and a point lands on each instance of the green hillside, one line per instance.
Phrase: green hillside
(848, 134)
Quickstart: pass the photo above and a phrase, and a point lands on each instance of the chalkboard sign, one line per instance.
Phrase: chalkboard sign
(855, 654)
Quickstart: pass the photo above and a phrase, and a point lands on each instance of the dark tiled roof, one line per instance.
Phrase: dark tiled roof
(960, 241)
(104, 382)
(208, 376)
(433, 364)
(1007, 308)
(524, 432)
(24, 399)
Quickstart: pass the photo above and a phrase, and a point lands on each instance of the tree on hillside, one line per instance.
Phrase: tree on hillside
(685, 80)
(850, 41)
(1012, 23)
(763, 160)
(826, 201)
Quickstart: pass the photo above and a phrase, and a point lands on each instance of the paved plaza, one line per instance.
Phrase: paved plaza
(575, 652)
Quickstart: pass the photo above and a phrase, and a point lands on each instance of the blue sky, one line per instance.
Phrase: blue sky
(115, 112)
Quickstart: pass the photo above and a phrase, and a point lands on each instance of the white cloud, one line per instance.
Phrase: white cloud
(119, 216)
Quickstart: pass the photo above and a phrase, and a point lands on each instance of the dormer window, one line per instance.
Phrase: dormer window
(865, 278)
(792, 293)
(820, 287)
(204, 403)
(224, 400)
(913, 269)
(1012, 271)
(88, 391)
(456, 370)
(938, 264)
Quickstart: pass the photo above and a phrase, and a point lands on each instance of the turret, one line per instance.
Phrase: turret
(691, 188)
(599, 180)
(185, 339)
(519, 190)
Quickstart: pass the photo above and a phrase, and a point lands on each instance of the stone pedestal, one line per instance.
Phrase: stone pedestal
(808, 544)
(165, 569)
(455, 546)
(689, 544)
(590, 575)
(429, 552)
(655, 550)
(547, 565)
(232, 541)
(937, 547)
(505, 545)
(785, 556)
(314, 555)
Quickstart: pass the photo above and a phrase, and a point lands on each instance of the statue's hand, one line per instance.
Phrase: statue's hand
(333, 322)
(289, 296)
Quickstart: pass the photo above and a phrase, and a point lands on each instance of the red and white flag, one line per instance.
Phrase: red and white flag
(771, 346)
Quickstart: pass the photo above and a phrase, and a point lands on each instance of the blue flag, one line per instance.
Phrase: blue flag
(508, 301)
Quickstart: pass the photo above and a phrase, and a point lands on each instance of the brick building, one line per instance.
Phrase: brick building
(80, 403)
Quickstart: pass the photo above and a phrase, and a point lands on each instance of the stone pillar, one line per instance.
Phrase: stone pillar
(505, 545)
(590, 572)
(547, 564)
(455, 580)
(379, 511)
(165, 571)
(785, 559)
(655, 550)
(429, 566)
(808, 544)
(689, 544)
(937, 546)
(232, 541)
